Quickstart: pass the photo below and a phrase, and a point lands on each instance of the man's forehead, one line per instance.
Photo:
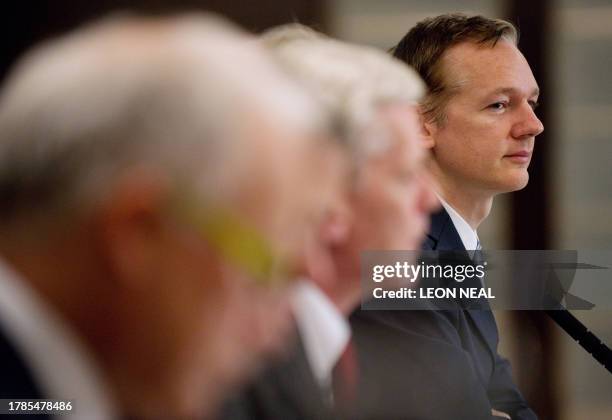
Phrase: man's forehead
(403, 121)
(492, 69)
(534, 92)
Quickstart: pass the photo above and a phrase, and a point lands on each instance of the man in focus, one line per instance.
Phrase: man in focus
(479, 126)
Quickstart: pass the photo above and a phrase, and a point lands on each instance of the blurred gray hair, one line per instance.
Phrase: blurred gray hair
(352, 82)
(128, 91)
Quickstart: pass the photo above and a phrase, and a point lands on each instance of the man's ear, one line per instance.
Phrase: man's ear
(131, 227)
(428, 131)
(336, 223)
(332, 232)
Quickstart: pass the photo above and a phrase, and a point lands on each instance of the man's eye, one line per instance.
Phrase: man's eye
(498, 106)
(534, 104)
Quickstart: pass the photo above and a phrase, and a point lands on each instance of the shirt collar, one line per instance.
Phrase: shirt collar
(58, 361)
(468, 236)
(323, 329)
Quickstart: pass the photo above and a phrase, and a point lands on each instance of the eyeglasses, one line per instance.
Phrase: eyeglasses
(236, 241)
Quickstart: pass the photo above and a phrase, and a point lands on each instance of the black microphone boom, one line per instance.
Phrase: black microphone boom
(577, 330)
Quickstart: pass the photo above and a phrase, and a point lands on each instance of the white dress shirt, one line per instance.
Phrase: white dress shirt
(57, 359)
(324, 331)
(468, 236)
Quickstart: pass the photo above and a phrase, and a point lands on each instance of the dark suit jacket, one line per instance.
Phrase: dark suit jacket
(473, 331)
(287, 389)
(16, 381)
(413, 378)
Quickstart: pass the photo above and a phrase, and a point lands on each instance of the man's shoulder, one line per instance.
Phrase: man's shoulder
(415, 375)
(286, 389)
(411, 325)
(442, 234)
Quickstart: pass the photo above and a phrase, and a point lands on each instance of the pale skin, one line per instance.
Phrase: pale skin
(170, 321)
(485, 142)
(157, 303)
(386, 206)
(484, 145)
(162, 313)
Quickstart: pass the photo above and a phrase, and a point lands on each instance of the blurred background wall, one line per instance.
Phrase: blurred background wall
(581, 91)
(568, 203)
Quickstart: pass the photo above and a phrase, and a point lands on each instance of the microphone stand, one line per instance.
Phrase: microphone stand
(580, 333)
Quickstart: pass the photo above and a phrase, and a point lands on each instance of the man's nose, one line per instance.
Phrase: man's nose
(528, 124)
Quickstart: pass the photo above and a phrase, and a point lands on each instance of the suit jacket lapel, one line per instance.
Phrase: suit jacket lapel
(442, 234)
(444, 237)
(297, 382)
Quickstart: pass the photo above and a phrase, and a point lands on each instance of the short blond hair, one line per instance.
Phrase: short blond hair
(425, 44)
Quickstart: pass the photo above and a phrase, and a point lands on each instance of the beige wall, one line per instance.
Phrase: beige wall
(582, 58)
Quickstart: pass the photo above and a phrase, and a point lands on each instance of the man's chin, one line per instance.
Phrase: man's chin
(521, 183)
(513, 182)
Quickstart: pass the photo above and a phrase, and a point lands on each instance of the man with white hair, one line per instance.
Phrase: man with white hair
(385, 205)
(153, 198)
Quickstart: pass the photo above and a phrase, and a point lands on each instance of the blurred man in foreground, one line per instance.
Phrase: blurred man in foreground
(385, 205)
(479, 124)
(153, 199)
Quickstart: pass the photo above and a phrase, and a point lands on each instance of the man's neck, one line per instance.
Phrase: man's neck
(473, 206)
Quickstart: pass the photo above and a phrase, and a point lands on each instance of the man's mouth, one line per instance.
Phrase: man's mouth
(523, 156)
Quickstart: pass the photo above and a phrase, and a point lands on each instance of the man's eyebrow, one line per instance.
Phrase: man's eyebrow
(510, 91)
